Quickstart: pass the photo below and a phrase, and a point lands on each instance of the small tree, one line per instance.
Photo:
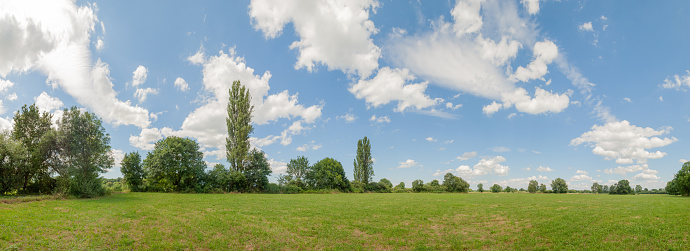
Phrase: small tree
(596, 188)
(681, 181)
(12, 155)
(559, 186)
(480, 187)
(328, 173)
(387, 183)
(542, 188)
(297, 168)
(418, 186)
(605, 189)
(455, 184)
(132, 171)
(638, 189)
(400, 186)
(257, 171)
(532, 187)
(622, 187)
(364, 164)
(496, 188)
(175, 164)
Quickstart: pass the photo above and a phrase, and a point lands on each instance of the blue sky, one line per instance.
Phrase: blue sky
(493, 91)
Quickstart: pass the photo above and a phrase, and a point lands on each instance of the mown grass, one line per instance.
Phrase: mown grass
(349, 221)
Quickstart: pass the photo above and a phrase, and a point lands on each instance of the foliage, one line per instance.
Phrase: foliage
(418, 186)
(12, 156)
(364, 169)
(133, 171)
(532, 187)
(508, 189)
(297, 169)
(638, 189)
(400, 186)
(175, 164)
(30, 126)
(480, 187)
(455, 184)
(681, 181)
(622, 187)
(257, 171)
(542, 188)
(596, 188)
(239, 126)
(496, 188)
(86, 151)
(559, 186)
(387, 183)
(328, 173)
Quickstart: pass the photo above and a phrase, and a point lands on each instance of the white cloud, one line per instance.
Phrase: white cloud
(2, 108)
(5, 85)
(581, 172)
(544, 169)
(430, 139)
(585, 26)
(661, 99)
(467, 155)
(627, 100)
(522, 182)
(625, 142)
(207, 122)
(11, 97)
(626, 169)
(448, 141)
(99, 44)
(5, 123)
(485, 166)
(543, 101)
(198, 58)
(532, 6)
(311, 146)
(466, 16)
(544, 53)
(682, 161)
(648, 174)
(142, 93)
(500, 149)
(147, 138)
(139, 76)
(382, 119)
(46, 103)
(117, 155)
(55, 40)
(407, 163)
(181, 84)
(348, 117)
(334, 33)
(390, 85)
(677, 82)
(450, 105)
(277, 167)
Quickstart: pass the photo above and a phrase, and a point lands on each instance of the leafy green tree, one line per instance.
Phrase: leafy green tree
(605, 189)
(532, 187)
(30, 125)
(480, 187)
(218, 179)
(175, 164)
(364, 165)
(297, 169)
(596, 188)
(12, 156)
(239, 126)
(132, 171)
(86, 151)
(418, 186)
(387, 183)
(559, 186)
(622, 187)
(400, 186)
(257, 171)
(508, 189)
(638, 189)
(542, 188)
(496, 188)
(455, 184)
(681, 181)
(328, 173)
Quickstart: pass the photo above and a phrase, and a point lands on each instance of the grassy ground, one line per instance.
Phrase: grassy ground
(349, 221)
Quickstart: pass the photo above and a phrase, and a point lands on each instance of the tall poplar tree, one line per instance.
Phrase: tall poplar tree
(239, 127)
(364, 166)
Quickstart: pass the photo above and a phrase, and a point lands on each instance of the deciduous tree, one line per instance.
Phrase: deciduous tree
(496, 188)
(133, 171)
(455, 184)
(533, 186)
(480, 187)
(175, 164)
(364, 165)
(559, 186)
(30, 126)
(297, 168)
(12, 156)
(328, 173)
(418, 186)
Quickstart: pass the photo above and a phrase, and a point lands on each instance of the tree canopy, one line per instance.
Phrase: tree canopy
(364, 169)
(175, 164)
(559, 186)
(239, 126)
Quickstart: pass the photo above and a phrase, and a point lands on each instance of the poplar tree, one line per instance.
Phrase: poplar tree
(239, 127)
(364, 165)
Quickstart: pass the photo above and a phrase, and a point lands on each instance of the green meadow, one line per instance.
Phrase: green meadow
(487, 221)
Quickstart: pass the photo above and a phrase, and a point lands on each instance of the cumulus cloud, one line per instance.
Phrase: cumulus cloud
(648, 174)
(381, 119)
(146, 139)
(278, 167)
(207, 122)
(626, 169)
(181, 84)
(544, 169)
(522, 182)
(484, 167)
(139, 76)
(500, 149)
(467, 17)
(585, 26)
(467, 155)
(389, 85)
(408, 163)
(55, 40)
(430, 139)
(5, 85)
(46, 103)
(348, 117)
(677, 82)
(333, 33)
(142, 93)
(532, 6)
(624, 142)
(311, 146)
(544, 53)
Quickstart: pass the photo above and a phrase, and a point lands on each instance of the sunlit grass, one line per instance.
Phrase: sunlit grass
(349, 221)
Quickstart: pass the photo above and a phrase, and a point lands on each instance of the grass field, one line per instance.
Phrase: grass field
(349, 221)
